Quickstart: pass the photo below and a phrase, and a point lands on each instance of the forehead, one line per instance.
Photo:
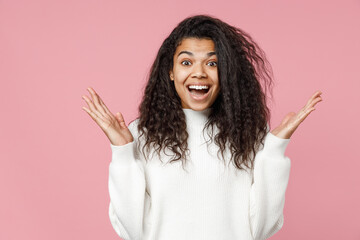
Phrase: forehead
(196, 45)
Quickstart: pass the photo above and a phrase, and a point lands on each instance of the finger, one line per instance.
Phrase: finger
(314, 102)
(103, 123)
(92, 115)
(315, 95)
(303, 114)
(106, 109)
(306, 113)
(97, 104)
(300, 116)
(92, 107)
(307, 109)
(95, 99)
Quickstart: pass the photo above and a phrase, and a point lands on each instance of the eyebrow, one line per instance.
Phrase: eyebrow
(191, 54)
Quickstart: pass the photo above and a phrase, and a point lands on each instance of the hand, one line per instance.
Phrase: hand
(292, 120)
(113, 126)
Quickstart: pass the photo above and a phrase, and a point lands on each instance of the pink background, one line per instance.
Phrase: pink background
(54, 158)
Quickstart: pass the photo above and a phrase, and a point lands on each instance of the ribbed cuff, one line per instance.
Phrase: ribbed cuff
(275, 145)
(113, 147)
(123, 154)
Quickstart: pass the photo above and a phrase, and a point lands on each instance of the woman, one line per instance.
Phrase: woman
(170, 180)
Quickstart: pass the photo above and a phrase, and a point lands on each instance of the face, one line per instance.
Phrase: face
(195, 73)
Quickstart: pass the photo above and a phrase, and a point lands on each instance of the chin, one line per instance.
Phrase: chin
(198, 107)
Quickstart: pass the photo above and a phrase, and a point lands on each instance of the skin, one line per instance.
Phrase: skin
(292, 120)
(195, 62)
(112, 125)
(188, 69)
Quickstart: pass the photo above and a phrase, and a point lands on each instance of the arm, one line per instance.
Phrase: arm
(270, 180)
(126, 173)
(271, 174)
(127, 191)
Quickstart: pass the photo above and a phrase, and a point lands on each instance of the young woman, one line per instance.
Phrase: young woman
(200, 162)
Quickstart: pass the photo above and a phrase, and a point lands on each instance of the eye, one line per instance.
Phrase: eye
(186, 62)
(213, 64)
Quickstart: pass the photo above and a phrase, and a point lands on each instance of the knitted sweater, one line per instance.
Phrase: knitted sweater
(211, 200)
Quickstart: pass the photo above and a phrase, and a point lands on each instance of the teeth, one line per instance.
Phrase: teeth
(197, 87)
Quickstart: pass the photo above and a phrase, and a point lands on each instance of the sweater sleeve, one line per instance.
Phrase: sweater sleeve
(270, 180)
(127, 191)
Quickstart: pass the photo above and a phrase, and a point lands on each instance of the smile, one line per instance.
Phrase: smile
(198, 92)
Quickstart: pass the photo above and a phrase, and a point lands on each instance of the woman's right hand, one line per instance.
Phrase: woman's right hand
(113, 126)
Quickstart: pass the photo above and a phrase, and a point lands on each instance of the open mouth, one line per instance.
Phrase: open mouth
(198, 91)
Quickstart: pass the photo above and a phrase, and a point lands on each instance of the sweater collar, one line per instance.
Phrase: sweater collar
(197, 117)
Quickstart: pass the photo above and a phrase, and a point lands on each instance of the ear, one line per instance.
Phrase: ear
(171, 75)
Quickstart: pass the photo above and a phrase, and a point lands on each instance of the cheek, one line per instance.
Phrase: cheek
(216, 81)
(215, 78)
(179, 86)
(213, 73)
(181, 76)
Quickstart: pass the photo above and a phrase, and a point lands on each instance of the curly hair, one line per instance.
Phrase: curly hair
(240, 112)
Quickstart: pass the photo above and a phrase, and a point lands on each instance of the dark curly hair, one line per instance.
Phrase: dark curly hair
(240, 112)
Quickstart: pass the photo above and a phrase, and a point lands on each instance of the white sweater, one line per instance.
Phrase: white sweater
(211, 201)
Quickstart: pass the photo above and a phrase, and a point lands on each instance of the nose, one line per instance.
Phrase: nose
(198, 71)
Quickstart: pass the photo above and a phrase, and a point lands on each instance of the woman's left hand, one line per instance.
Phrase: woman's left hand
(292, 120)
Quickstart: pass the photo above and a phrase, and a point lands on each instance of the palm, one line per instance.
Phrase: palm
(113, 126)
(292, 120)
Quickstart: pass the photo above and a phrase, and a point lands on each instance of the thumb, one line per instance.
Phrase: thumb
(120, 119)
(287, 117)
